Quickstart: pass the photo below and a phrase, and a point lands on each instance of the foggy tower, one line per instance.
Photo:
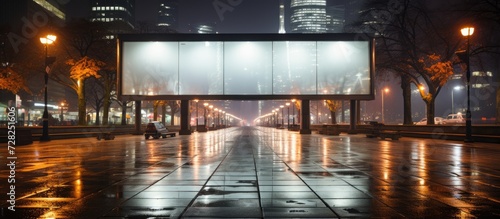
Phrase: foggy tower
(308, 16)
(282, 17)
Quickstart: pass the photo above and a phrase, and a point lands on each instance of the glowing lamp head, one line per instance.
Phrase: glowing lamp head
(49, 39)
(467, 31)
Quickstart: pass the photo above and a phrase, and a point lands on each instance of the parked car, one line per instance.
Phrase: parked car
(437, 121)
(156, 130)
(455, 119)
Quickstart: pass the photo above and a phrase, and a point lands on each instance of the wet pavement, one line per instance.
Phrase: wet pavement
(251, 172)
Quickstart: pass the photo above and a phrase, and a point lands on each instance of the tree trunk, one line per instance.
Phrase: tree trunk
(430, 111)
(342, 113)
(172, 113)
(124, 113)
(82, 103)
(334, 119)
(155, 111)
(105, 109)
(163, 112)
(97, 115)
(406, 86)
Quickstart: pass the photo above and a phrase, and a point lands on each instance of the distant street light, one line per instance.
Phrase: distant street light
(452, 104)
(467, 32)
(282, 116)
(196, 100)
(421, 89)
(210, 110)
(293, 112)
(385, 90)
(62, 115)
(205, 114)
(288, 114)
(49, 39)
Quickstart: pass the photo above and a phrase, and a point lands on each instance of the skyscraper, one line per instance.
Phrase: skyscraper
(282, 17)
(120, 12)
(335, 15)
(308, 16)
(168, 14)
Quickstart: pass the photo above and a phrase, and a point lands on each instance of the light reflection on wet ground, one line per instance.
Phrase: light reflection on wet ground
(255, 173)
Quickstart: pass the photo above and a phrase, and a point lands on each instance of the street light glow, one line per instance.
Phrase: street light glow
(49, 39)
(467, 31)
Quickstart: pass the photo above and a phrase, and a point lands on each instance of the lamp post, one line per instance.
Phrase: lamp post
(62, 115)
(386, 90)
(211, 107)
(452, 104)
(196, 101)
(293, 112)
(205, 114)
(282, 117)
(467, 32)
(288, 114)
(47, 40)
(273, 119)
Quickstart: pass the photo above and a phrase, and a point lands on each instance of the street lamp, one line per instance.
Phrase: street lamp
(288, 114)
(196, 101)
(282, 116)
(210, 110)
(452, 104)
(293, 112)
(274, 117)
(386, 90)
(62, 115)
(47, 40)
(205, 114)
(467, 32)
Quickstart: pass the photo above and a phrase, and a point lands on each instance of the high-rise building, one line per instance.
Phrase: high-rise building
(308, 16)
(168, 14)
(119, 12)
(282, 17)
(23, 21)
(335, 17)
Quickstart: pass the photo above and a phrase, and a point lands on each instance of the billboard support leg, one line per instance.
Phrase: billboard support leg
(185, 130)
(305, 123)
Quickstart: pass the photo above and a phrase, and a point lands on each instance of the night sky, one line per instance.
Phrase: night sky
(250, 16)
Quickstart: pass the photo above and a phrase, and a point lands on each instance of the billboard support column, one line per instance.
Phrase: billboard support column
(185, 130)
(353, 117)
(305, 123)
(138, 117)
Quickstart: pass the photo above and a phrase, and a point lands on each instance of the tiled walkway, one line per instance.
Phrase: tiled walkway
(254, 173)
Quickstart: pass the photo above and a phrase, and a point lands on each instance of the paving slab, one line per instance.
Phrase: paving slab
(253, 172)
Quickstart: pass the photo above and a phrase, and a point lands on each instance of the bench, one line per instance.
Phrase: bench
(170, 134)
(377, 131)
(329, 130)
(105, 136)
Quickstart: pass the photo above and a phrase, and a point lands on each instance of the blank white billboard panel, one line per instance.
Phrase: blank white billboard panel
(241, 68)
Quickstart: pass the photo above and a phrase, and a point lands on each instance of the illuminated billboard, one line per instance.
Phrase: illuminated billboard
(265, 66)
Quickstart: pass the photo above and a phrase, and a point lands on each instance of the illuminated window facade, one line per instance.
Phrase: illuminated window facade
(308, 16)
(121, 11)
(168, 14)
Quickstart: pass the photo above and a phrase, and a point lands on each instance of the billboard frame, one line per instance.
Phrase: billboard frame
(122, 38)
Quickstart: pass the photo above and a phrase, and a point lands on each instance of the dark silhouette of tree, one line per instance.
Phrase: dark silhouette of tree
(409, 35)
(81, 40)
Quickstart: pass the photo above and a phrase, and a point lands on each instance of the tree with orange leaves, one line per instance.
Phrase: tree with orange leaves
(435, 72)
(81, 70)
(11, 80)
